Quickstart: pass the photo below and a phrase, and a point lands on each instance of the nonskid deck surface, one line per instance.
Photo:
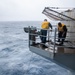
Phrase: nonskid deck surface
(67, 47)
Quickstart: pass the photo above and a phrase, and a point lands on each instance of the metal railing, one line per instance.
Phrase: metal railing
(34, 32)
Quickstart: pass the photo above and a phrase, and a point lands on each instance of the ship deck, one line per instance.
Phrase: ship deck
(67, 47)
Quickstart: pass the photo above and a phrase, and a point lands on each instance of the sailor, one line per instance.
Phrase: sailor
(45, 25)
(62, 31)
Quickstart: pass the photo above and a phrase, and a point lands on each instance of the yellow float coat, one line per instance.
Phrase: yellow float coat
(45, 25)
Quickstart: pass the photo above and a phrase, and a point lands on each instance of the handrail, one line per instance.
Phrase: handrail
(55, 37)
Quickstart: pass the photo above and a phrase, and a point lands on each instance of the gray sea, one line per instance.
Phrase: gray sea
(15, 57)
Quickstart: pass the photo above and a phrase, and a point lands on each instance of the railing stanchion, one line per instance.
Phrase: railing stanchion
(29, 35)
(48, 35)
(54, 40)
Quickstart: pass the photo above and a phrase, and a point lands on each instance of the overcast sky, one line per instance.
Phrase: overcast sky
(29, 10)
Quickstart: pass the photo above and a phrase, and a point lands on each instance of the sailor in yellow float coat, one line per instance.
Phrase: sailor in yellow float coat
(60, 27)
(62, 31)
(45, 25)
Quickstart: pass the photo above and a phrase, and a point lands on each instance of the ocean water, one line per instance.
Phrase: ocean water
(15, 57)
